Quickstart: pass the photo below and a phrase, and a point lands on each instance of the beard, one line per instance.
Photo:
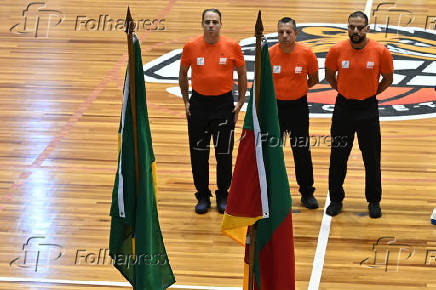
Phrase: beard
(355, 38)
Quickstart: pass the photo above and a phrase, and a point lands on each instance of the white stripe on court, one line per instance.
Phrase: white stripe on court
(104, 283)
(324, 230)
(367, 10)
(323, 238)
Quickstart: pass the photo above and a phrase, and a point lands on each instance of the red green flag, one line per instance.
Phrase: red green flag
(260, 191)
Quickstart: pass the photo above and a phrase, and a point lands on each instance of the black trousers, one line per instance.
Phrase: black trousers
(361, 117)
(211, 116)
(294, 118)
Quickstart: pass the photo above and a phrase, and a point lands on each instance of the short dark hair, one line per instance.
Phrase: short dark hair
(359, 14)
(287, 20)
(214, 10)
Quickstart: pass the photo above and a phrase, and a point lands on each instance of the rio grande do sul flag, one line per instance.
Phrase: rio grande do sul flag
(260, 191)
(136, 244)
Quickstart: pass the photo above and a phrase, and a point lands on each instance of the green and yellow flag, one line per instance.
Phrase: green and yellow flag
(136, 245)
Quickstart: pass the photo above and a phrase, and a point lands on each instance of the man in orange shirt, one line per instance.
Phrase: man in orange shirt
(295, 69)
(359, 62)
(210, 110)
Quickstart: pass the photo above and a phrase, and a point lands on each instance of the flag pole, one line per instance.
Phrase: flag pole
(258, 62)
(130, 26)
(258, 58)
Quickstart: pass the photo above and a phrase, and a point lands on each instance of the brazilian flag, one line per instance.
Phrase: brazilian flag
(136, 245)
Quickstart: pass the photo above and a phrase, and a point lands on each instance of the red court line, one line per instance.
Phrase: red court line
(76, 116)
(317, 177)
(91, 98)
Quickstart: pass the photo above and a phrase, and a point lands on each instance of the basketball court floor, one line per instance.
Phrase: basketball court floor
(61, 80)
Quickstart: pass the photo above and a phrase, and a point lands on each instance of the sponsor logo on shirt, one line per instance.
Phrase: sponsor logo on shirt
(370, 64)
(277, 69)
(411, 96)
(345, 64)
(223, 60)
(200, 60)
(298, 69)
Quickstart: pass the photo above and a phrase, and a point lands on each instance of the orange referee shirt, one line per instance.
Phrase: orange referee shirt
(212, 64)
(359, 69)
(290, 70)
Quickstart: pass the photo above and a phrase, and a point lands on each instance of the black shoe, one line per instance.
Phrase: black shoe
(309, 202)
(203, 204)
(374, 210)
(221, 200)
(334, 208)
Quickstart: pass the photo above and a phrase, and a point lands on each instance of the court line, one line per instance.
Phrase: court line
(367, 10)
(318, 259)
(57, 138)
(105, 283)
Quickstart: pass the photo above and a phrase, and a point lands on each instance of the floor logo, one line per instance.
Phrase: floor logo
(412, 95)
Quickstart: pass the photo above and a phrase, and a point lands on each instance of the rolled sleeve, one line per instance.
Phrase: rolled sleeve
(239, 56)
(313, 63)
(331, 61)
(387, 64)
(185, 60)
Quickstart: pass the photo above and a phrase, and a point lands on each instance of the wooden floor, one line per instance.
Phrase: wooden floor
(60, 103)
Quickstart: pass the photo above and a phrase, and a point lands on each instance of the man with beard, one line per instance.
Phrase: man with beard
(295, 70)
(359, 62)
(210, 110)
